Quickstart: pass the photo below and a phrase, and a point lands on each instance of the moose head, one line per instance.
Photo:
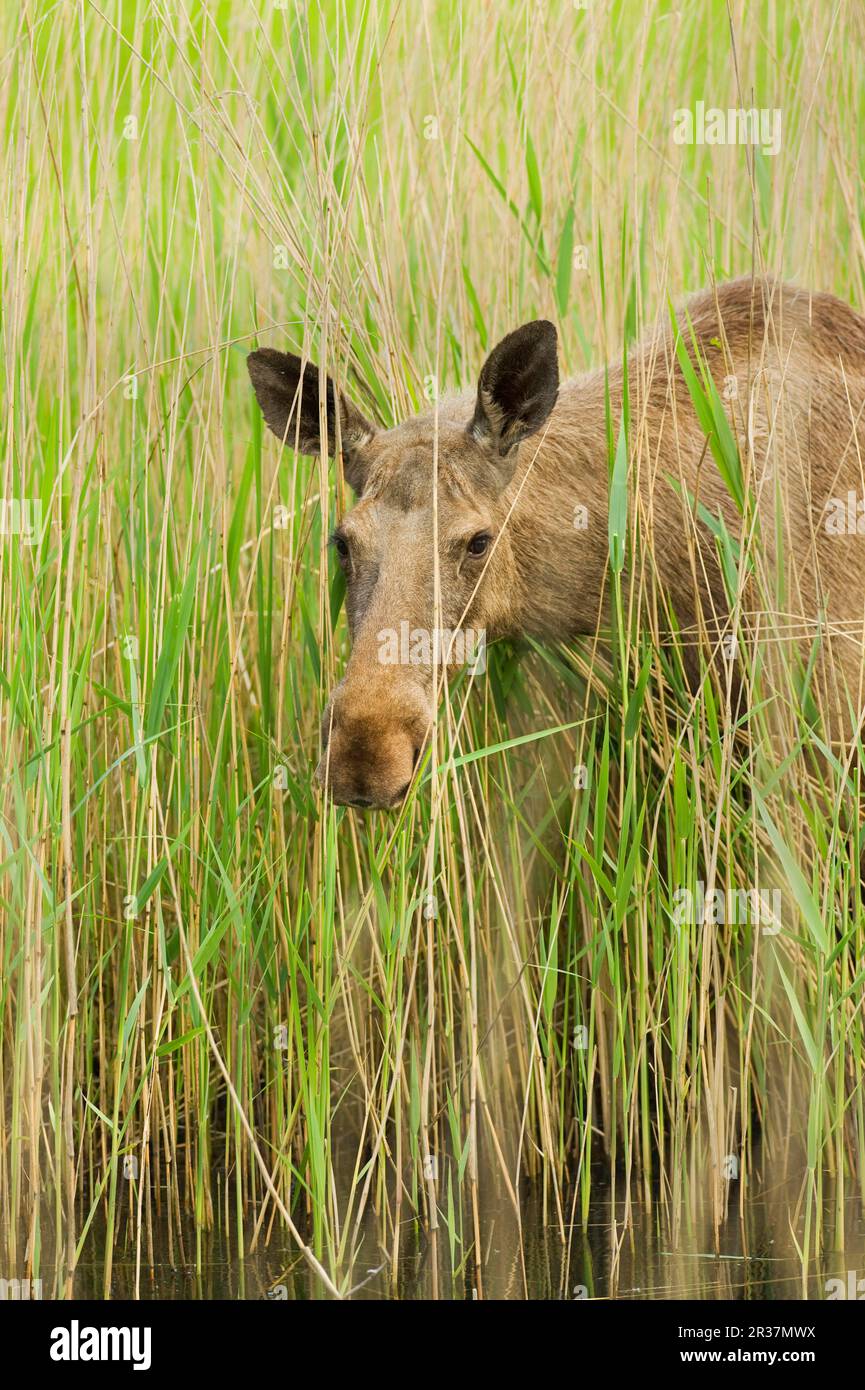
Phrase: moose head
(437, 487)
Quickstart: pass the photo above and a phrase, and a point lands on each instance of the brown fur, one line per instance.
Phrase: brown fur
(511, 464)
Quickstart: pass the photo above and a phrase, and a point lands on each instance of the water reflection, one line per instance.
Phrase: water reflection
(524, 1259)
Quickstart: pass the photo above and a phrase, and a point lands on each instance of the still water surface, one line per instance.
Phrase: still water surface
(757, 1260)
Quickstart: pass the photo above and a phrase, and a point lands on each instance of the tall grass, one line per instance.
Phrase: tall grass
(221, 1000)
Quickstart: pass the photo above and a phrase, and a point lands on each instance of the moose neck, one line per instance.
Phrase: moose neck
(561, 516)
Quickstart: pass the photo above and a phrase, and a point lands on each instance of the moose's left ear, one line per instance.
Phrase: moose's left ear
(517, 387)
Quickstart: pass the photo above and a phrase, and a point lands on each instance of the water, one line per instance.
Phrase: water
(757, 1259)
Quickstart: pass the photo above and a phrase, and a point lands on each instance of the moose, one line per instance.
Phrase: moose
(465, 514)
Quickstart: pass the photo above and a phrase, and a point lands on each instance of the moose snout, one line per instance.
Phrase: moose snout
(369, 755)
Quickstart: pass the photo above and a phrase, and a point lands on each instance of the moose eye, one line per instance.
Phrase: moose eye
(479, 544)
(340, 545)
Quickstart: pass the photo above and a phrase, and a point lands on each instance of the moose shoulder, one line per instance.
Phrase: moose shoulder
(488, 516)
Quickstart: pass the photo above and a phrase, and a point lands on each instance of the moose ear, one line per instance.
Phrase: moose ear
(517, 387)
(289, 392)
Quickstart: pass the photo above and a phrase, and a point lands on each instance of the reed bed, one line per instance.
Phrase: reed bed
(225, 1002)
